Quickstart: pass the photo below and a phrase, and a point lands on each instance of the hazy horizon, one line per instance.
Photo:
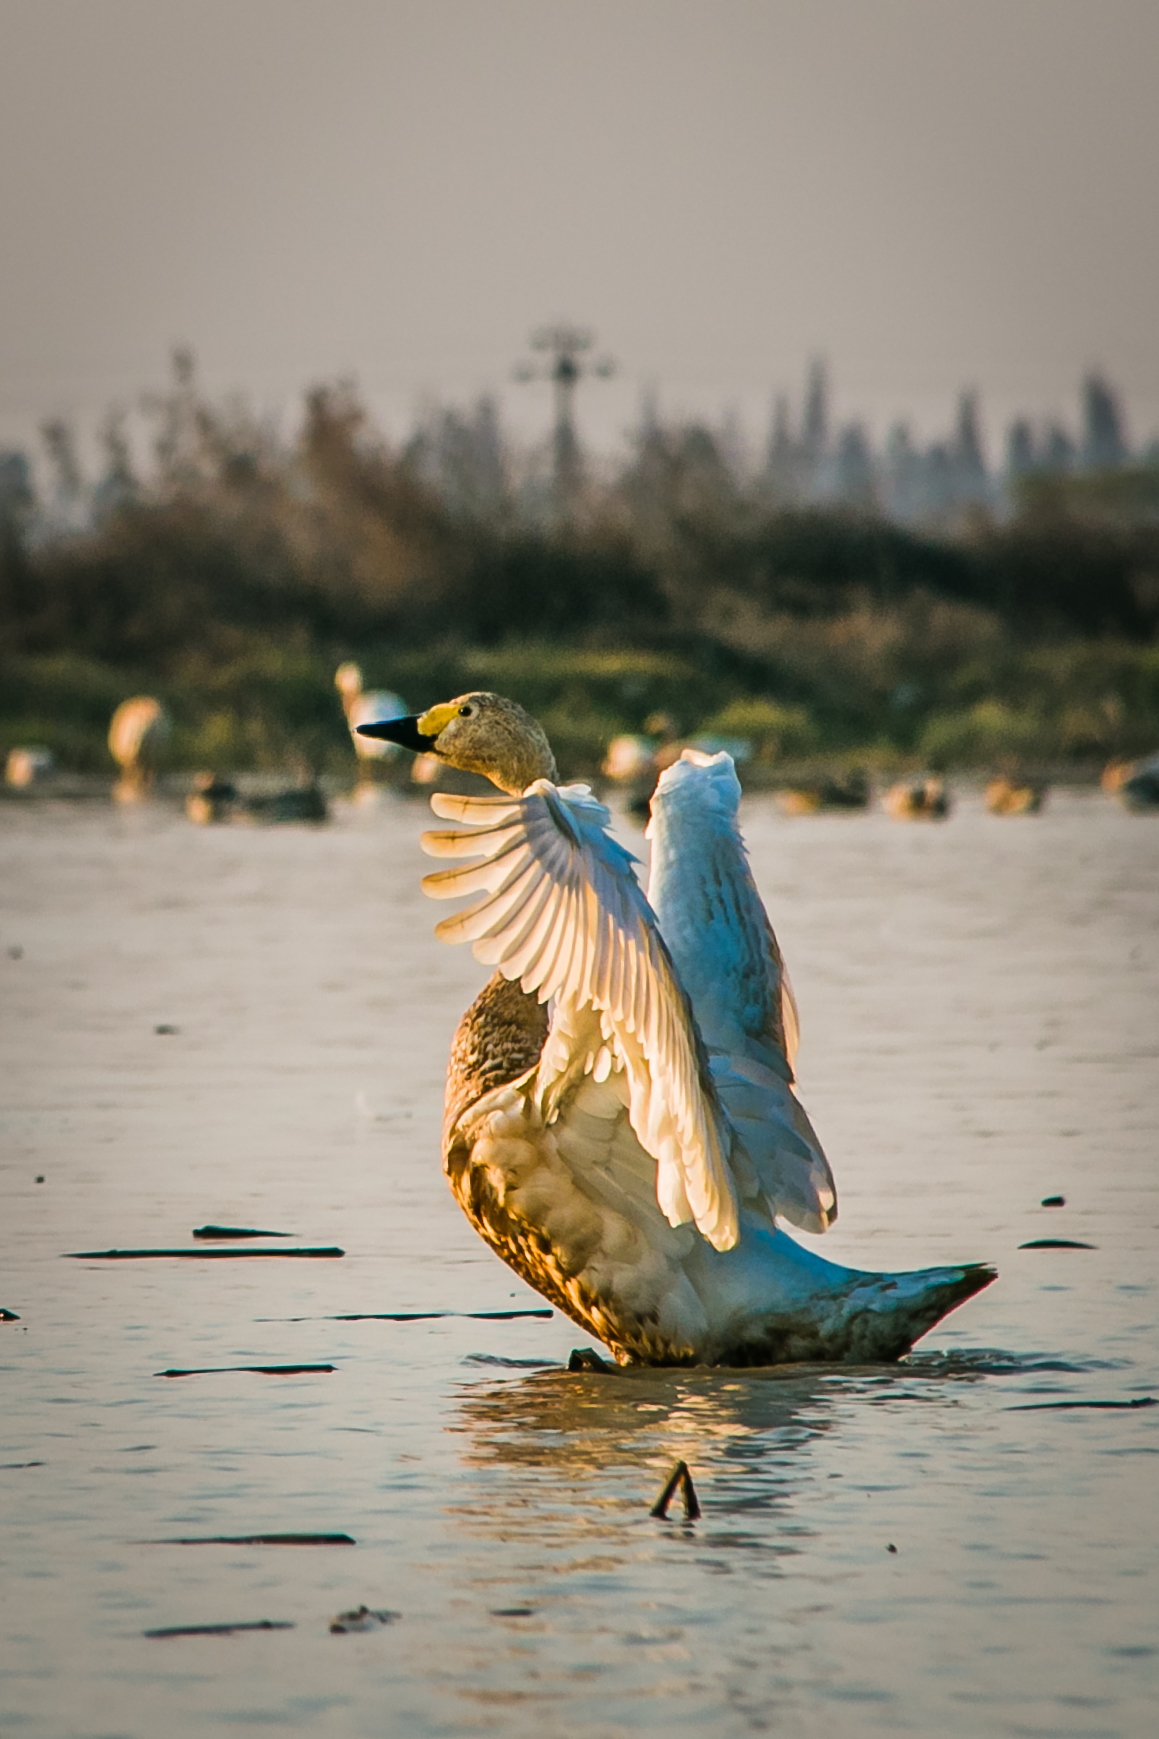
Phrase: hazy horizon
(931, 195)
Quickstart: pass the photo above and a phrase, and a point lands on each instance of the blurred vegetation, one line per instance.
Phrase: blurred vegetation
(234, 579)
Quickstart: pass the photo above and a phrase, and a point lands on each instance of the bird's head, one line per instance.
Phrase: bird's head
(478, 733)
(348, 681)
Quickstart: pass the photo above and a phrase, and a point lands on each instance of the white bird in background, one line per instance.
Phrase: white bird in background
(630, 1152)
(138, 735)
(364, 707)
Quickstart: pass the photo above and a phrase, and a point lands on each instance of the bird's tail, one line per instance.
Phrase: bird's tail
(886, 1313)
(778, 1302)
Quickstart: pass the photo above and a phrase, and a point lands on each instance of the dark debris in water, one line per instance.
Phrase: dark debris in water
(258, 1370)
(361, 1618)
(220, 1629)
(1053, 1202)
(11, 1466)
(432, 1315)
(408, 1315)
(254, 1540)
(166, 1030)
(679, 1477)
(512, 1364)
(1056, 1244)
(1066, 1406)
(236, 1232)
(513, 1612)
(201, 1255)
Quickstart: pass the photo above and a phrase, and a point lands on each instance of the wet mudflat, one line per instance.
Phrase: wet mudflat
(950, 1546)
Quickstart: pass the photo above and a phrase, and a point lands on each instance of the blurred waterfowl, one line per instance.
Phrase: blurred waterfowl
(27, 766)
(212, 799)
(810, 796)
(138, 735)
(1134, 783)
(363, 707)
(630, 760)
(630, 1152)
(634, 762)
(917, 800)
(304, 802)
(1005, 796)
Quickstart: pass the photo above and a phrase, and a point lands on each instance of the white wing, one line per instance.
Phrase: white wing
(563, 913)
(718, 933)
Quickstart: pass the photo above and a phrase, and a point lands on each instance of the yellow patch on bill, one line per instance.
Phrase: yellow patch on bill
(437, 718)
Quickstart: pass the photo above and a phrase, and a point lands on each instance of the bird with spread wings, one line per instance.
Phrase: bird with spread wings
(621, 1123)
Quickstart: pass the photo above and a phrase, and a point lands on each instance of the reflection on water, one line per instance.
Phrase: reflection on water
(945, 1546)
(595, 1424)
(601, 1436)
(609, 1443)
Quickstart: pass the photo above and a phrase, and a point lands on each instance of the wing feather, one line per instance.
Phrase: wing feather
(712, 918)
(562, 912)
(476, 922)
(492, 876)
(505, 940)
(449, 807)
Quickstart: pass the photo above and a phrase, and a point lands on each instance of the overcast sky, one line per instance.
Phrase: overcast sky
(931, 193)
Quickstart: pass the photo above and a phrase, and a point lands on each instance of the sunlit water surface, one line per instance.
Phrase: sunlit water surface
(981, 1027)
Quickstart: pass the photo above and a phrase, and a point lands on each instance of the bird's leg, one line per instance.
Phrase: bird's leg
(587, 1359)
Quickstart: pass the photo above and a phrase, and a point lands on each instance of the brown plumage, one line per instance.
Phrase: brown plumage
(498, 1041)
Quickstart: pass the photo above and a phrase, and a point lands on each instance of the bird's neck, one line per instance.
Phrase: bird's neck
(520, 770)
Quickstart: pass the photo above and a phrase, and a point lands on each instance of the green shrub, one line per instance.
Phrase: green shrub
(776, 732)
(987, 732)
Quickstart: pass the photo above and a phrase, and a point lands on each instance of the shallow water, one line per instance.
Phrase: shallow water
(979, 1005)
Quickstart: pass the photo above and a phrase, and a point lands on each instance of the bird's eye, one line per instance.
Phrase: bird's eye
(465, 712)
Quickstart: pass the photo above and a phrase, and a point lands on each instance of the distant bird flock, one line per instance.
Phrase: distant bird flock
(140, 733)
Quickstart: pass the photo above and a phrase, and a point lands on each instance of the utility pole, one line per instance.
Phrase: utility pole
(563, 347)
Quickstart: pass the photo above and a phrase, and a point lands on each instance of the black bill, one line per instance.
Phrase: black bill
(405, 732)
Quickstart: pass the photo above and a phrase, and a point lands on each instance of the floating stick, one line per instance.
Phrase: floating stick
(406, 1315)
(220, 1629)
(258, 1370)
(1056, 1244)
(201, 1255)
(236, 1232)
(1065, 1406)
(681, 1477)
(254, 1540)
